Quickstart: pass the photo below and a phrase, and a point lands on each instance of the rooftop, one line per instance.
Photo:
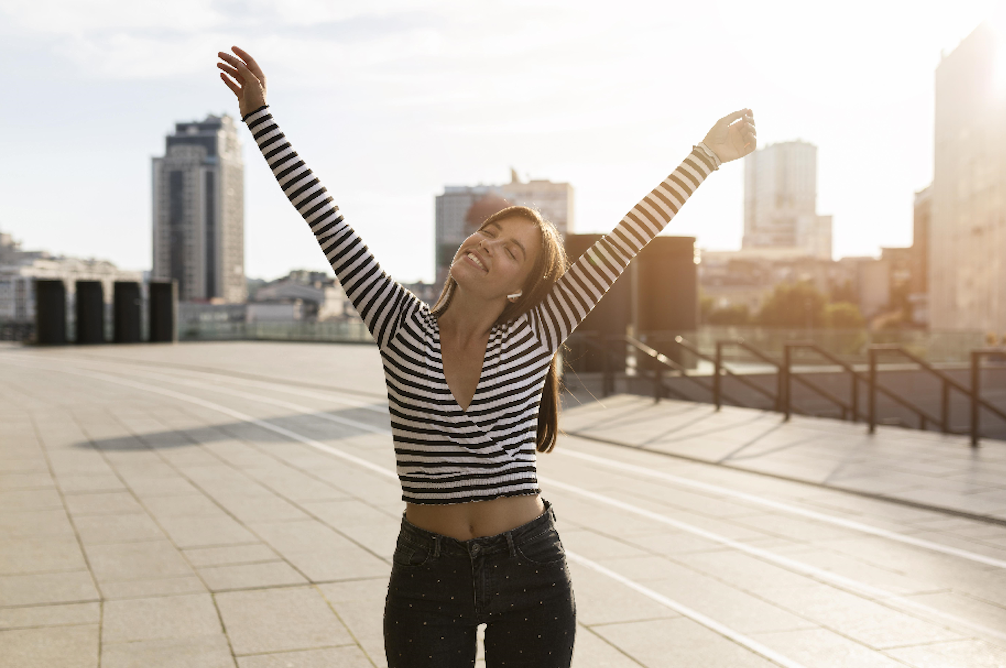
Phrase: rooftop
(235, 504)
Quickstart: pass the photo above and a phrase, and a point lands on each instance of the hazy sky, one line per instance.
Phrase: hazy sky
(390, 101)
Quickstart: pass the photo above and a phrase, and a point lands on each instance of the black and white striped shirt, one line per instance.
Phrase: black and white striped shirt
(446, 454)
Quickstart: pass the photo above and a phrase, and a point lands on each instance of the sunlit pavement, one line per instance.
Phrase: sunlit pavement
(235, 504)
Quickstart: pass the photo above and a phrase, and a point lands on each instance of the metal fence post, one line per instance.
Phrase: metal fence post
(717, 367)
(945, 408)
(976, 360)
(855, 395)
(784, 386)
(873, 390)
(658, 383)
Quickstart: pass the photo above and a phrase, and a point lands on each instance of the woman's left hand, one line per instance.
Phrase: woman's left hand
(733, 136)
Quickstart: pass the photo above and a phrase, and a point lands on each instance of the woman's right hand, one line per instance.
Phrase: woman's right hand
(245, 78)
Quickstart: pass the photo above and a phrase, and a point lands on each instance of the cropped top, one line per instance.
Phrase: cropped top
(445, 454)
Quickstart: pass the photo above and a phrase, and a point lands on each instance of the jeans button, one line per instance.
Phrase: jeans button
(475, 548)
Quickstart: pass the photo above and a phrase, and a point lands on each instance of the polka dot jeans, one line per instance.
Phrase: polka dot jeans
(516, 583)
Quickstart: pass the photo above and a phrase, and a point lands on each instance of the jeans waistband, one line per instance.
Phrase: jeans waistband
(504, 541)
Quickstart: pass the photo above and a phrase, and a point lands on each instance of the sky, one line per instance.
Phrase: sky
(390, 101)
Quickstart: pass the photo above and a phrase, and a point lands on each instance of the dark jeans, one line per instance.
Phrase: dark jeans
(516, 583)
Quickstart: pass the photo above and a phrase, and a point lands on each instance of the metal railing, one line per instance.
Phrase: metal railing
(782, 399)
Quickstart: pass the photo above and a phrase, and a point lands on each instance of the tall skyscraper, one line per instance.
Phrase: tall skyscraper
(967, 238)
(780, 200)
(198, 211)
(461, 209)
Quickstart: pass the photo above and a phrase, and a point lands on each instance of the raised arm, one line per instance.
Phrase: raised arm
(582, 286)
(380, 300)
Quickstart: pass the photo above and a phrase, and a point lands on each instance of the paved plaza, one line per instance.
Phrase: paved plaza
(235, 504)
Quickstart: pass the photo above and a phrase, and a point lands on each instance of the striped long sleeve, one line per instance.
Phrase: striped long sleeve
(380, 300)
(576, 293)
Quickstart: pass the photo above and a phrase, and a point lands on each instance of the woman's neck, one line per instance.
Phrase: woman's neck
(468, 318)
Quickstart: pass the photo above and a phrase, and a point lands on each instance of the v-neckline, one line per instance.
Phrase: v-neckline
(443, 369)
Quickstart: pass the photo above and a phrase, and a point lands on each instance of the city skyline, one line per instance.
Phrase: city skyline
(408, 99)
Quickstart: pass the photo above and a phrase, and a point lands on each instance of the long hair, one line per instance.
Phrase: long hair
(548, 267)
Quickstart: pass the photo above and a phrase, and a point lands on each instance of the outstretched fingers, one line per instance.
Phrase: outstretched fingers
(235, 88)
(730, 118)
(252, 65)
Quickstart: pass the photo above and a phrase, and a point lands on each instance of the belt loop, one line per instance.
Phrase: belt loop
(509, 542)
(436, 545)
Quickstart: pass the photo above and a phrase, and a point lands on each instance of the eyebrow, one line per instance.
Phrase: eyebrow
(519, 244)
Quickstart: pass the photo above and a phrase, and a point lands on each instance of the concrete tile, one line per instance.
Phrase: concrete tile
(163, 507)
(35, 524)
(278, 620)
(40, 555)
(203, 652)
(970, 653)
(365, 621)
(161, 486)
(822, 648)
(134, 561)
(250, 576)
(355, 590)
(16, 480)
(336, 657)
(70, 614)
(26, 464)
(598, 546)
(185, 616)
(601, 600)
(229, 555)
(348, 563)
(46, 588)
(131, 528)
(102, 503)
(591, 651)
(862, 620)
(66, 647)
(31, 499)
(206, 531)
(679, 641)
(147, 588)
(261, 509)
(87, 484)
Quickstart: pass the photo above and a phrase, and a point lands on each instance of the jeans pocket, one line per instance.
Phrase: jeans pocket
(544, 549)
(409, 556)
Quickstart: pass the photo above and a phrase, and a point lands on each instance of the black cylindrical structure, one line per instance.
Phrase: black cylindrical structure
(50, 312)
(163, 306)
(126, 318)
(90, 308)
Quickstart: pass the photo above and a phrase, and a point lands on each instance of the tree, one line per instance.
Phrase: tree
(846, 292)
(794, 305)
(706, 306)
(735, 314)
(843, 315)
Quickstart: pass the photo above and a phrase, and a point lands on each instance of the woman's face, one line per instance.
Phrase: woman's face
(497, 260)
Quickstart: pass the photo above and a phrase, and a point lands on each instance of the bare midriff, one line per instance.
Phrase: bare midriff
(475, 519)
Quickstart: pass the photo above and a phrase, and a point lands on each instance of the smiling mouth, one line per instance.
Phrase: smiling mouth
(474, 258)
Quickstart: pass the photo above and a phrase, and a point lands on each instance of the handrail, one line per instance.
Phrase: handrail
(681, 341)
(852, 406)
(718, 365)
(976, 400)
(783, 396)
(655, 354)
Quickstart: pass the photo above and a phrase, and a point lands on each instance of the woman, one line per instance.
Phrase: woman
(473, 394)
